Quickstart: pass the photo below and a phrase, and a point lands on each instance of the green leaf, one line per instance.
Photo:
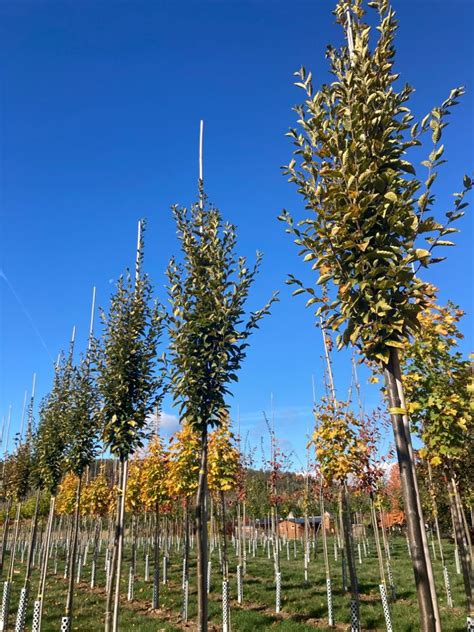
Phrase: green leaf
(392, 197)
(407, 167)
(421, 253)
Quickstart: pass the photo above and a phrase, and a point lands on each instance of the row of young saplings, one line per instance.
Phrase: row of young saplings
(84, 554)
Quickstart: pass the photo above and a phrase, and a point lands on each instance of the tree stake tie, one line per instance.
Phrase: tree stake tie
(398, 411)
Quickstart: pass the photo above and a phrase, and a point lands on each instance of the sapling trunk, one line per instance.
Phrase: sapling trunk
(225, 570)
(5, 609)
(23, 605)
(44, 567)
(225, 561)
(120, 534)
(201, 533)
(133, 556)
(117, 535)
(73, 553)
(346, 524)
(95, 550)
(378, 548)
(14, 542)
(6, 525)
(156, 559)
(463, 546)
(414, 518)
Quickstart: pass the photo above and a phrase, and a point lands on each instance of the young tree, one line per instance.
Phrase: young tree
(154, 493)
(208, 293)
(97, 502)
(130, 389)
(224, 464)
(341, 452)
(82, 430)
(369, 210)
(18, 467)
(183, 477)
(436, 379)
(50, 451)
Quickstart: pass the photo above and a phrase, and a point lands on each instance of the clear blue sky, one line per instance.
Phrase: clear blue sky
(100, 107)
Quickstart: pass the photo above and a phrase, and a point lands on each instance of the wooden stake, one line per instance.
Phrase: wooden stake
(201, 176)
(91, 325)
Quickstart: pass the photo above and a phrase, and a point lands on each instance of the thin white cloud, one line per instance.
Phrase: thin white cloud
(279, 413)
(167, 423)
(26, 312)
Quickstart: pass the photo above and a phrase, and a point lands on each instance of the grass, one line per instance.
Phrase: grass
(304, 607)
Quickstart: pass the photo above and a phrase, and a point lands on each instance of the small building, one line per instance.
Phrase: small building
(293, 528)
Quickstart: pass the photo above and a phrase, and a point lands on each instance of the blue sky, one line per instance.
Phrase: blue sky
(100, 109)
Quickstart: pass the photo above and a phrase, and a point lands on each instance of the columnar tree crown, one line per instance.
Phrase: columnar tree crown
(128, 381)
(208, 326)
(370, 209)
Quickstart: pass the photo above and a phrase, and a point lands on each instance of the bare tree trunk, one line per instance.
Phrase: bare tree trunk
(349, 546)
(378, 548)
(25, 591)
(406, 424)
(6, 524)
(201, 536)
(414, 517)
(120, 533)
(115, 564)
(44, 564)
(156, 561)
(463, 545)
(72, 554)
(225, 561)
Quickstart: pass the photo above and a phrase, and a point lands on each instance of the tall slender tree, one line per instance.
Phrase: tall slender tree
(208, 333)
(369, 211)
(130, 389)
(50, 462)
(82, 433)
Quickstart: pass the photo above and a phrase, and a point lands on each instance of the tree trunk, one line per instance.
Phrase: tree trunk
(156, 560)
(25, 591)
(201, 533)
(378, 548)
(73, 552)
(225, 561)
(44, 561)
(6, 524)
(414, 517)
(463, 546)
(406, 425)
(115, 563)
(349, 547)
(120, 533)
(34, 528)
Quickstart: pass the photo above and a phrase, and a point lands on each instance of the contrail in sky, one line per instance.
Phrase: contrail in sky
(26, 313)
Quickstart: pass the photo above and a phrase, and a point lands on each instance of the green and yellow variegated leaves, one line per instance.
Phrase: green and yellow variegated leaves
(98, 498)
(18, 470)
(224, 459)
(155, 487)
(184, 462)
(66, 496)
(368, 208)
(341, 448)
(436, 379)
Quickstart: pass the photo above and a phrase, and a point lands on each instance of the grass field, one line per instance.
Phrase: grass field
(303, 606)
